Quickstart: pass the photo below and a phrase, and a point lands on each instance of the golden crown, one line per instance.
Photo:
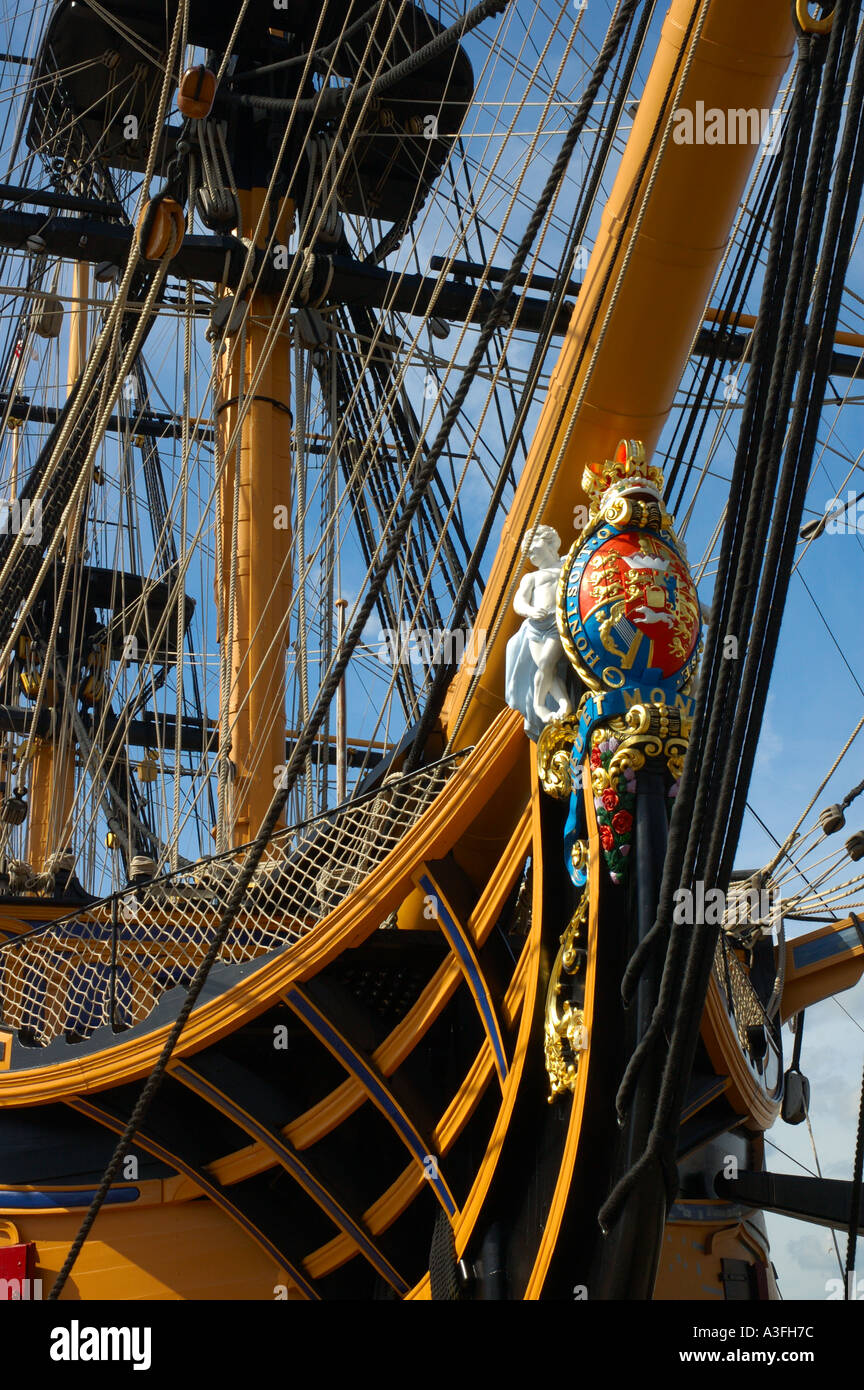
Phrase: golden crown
(627, 472)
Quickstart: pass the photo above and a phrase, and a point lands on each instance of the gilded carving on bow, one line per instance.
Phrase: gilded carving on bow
(676, 751)
(650, 731)
(627, 511)
(625, 590)
(629, 622)
(553, 757)
(579, 855)
(565, 1033)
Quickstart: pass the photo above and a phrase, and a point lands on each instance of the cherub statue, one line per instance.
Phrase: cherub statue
(536, 667)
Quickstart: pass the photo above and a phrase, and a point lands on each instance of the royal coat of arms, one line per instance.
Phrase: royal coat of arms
(629, 622)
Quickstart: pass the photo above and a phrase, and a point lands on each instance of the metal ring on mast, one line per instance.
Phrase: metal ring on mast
(808, 23)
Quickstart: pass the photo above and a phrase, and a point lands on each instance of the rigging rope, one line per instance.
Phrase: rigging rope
(275, 327)
(180, 631)
(446, 670)
(855, 1203)
(58, 462)
(569, 407)
(333, 99)
(307, 737)
(729, 706)
(302, 630)
(847, 801)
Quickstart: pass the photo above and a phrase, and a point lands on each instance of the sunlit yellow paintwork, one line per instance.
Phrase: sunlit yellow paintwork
(472, 786)
(807, 984)
(693, 1251)
(52, 776)
(740, 59)
(256, 706)
(522, 988)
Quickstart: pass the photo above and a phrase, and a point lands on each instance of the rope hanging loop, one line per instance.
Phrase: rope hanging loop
(217, 203)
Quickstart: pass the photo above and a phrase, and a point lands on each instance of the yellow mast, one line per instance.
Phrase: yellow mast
(260, 384)
(739, 61)
(52, 782)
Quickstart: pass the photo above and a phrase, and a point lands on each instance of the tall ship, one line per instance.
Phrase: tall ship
(413, 420)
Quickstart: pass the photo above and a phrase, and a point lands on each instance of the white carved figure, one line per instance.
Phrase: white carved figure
(536, 665)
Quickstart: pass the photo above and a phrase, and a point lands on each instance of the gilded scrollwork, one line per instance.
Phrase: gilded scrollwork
(553, 757)
(651, 731)
(579, 856)
(629, 621)
(565, 1032)
(626, 511)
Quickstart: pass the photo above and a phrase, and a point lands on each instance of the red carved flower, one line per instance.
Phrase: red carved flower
(609, 799)
(622, 821)
(607, 839)
(595, 757)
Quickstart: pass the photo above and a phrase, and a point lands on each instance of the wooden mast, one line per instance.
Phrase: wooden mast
(258, 635)
(52, 782)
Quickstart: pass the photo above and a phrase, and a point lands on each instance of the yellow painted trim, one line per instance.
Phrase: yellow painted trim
(9, 1233)
(841, 339)
(322, 1027)
(12, 923)
(392, 1203)
(808, 984)
(330, 1112)
(674, 244)
(212, 1191)
(466, 1100)
(307, 1182)
(523, 986)
(744, 1093)
(463, 934)
(549, 1238)
(324, 1117)
(522, 995)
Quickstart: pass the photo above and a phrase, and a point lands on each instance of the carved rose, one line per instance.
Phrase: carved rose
(607, 839)
(621, 822)
(609, 799)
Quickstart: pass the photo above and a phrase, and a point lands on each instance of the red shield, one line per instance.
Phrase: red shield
(639, 604)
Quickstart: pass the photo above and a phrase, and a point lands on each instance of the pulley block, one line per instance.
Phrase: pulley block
(160, 229)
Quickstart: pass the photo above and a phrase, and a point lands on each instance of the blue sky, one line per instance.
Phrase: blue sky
(814, 703)
(815, 697)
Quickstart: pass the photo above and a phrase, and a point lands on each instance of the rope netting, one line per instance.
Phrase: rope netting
(113, 960)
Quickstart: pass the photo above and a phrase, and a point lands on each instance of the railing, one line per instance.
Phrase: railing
(112, 961)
